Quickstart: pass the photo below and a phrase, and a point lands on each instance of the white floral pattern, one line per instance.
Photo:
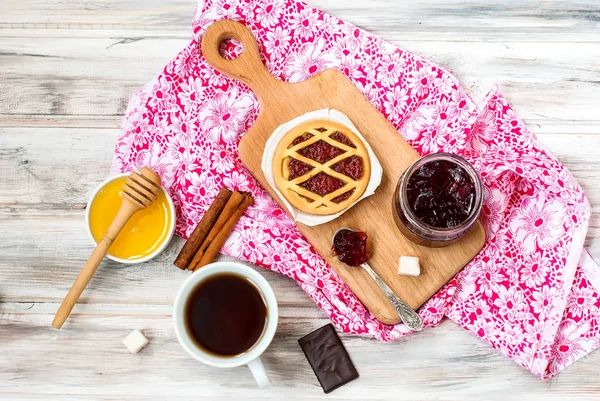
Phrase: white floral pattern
(538, 223)
(310, 59)
(525, 293)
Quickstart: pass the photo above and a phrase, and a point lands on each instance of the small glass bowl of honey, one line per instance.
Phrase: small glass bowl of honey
(146, 234)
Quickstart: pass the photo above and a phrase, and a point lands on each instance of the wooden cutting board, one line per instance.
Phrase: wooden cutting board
(280, 102)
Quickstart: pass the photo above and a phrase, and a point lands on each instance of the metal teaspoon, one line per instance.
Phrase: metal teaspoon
(408, 315)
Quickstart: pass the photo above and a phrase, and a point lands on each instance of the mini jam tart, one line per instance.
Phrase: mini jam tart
(321, 167)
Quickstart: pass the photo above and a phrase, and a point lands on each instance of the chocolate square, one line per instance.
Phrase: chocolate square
(328, 358)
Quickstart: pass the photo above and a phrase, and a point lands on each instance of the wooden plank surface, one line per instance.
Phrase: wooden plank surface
(67, 70)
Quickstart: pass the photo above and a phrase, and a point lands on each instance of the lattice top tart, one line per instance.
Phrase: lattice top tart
(321, 167)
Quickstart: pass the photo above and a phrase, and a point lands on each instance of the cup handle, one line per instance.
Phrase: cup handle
(259, 373)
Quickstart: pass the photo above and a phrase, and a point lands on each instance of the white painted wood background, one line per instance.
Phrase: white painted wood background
(67, 70)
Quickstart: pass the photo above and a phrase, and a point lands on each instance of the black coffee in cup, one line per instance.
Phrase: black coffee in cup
(225, 314)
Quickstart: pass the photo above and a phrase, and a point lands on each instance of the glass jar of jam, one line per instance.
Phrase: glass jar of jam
(437, 200)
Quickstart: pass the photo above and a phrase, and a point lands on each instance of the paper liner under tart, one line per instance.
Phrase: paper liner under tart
(339, 190)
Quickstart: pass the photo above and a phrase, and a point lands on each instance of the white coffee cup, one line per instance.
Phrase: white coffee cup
(249, 357)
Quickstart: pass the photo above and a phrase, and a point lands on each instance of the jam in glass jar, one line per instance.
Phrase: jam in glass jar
(437, 200)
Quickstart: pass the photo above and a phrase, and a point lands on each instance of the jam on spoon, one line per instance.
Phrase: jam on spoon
(350, 247)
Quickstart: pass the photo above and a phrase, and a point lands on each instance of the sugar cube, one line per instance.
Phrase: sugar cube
(409, 266)
(135, 341)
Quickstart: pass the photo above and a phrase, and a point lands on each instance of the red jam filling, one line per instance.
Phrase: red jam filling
(344, 196)
(297, 168)
(350, 247)
(304, 137)
(322, 184)
(352, 167)
(320, 151)
(441, 194)
(341, 138)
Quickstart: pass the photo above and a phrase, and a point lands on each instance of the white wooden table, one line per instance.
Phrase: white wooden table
(67, 70)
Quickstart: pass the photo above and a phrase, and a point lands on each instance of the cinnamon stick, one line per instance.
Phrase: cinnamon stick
(219, 240)
(230, 207)
(202, 229)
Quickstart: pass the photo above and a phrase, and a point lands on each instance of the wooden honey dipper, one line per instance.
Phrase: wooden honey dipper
(141, 189)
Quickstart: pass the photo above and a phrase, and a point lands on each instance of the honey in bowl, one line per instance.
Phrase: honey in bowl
(145, 232)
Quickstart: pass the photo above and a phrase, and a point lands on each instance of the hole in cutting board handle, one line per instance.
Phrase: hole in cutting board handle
(230, 48)
(247, 67)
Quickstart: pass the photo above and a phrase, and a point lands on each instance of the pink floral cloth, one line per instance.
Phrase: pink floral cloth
(531, 293)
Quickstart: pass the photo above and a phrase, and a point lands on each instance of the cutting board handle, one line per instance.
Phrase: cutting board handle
(247, 67)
